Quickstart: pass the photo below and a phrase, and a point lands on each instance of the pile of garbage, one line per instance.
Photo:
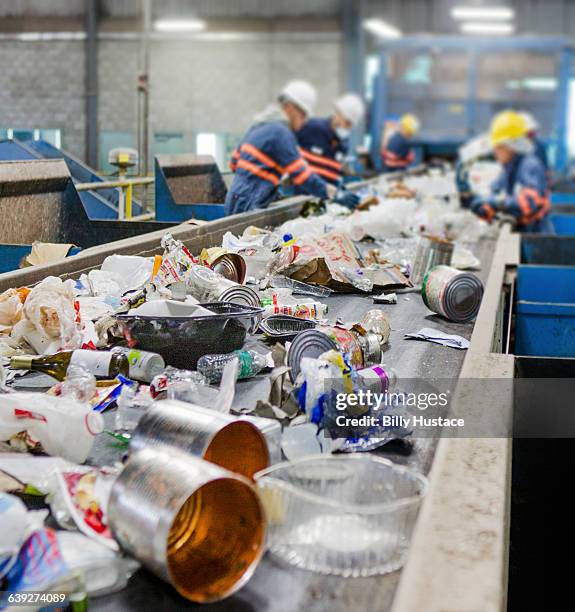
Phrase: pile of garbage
(120, 393)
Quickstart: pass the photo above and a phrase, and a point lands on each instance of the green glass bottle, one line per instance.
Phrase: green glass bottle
(102, 364)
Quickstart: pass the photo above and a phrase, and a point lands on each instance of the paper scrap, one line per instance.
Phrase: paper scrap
(439, 337)
(385, 298)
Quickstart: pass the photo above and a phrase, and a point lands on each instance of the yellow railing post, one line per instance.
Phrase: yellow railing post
(128, 202)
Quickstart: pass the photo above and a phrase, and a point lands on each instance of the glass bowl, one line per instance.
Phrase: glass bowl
(346, 515)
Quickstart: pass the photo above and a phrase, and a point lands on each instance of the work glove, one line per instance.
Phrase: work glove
(346, 198)
(484, 208)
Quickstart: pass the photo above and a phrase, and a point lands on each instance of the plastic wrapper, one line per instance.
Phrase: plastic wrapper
(79, 500)
(13, 521)
(68, 563)
(50, 310)
(133, 271)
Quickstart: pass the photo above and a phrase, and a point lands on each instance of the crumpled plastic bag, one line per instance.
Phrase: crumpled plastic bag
(50, 309)
(11, 310)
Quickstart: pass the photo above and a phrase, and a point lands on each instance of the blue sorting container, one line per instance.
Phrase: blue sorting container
(545, 311)
(564, 224)
(11, 255)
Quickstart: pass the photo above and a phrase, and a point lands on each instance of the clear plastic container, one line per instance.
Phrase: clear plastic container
(341, 515)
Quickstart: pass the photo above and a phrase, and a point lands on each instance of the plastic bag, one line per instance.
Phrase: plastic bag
(61, 426)
(50, 309)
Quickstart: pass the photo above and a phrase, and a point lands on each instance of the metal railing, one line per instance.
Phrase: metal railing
(125, 187)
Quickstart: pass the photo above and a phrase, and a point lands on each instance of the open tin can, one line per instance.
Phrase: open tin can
(192, 523)
(234, 444)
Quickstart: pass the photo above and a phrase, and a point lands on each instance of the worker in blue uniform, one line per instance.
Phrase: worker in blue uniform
(324, 141)
(397, 152)
(521, 189)
(472, 151)
(539, 148)
(269, 151)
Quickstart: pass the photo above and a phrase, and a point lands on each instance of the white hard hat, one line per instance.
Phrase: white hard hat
(301, 93)
(351, 106)
(531, 123)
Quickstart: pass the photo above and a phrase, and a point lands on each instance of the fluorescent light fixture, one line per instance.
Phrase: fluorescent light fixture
(540, 83)
(478, 27)
(179, 25)
(533, 83)
(482, 12)
(381, 28)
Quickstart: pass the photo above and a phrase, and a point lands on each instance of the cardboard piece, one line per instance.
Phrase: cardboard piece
(320, 259)
(47, 252)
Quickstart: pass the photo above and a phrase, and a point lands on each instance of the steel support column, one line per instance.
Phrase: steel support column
(353, 54)
(91, 83)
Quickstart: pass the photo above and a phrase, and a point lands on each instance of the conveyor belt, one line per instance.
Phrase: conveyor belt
(274, 588)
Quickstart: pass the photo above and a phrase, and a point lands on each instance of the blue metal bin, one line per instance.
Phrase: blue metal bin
(545, 311)
(564, 224)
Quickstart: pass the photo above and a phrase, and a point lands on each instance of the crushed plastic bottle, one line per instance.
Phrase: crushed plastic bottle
(132, 404)
(251, 363)
(376, 320)
(298, 287)
(190, 387)
(79, 384)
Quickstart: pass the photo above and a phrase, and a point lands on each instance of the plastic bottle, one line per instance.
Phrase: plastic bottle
(132, 405)
(143, 364)
(377, 321)
(377, 378)
(212, 366)
(65, 427)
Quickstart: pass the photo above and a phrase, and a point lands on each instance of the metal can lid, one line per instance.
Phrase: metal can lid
(311, 343)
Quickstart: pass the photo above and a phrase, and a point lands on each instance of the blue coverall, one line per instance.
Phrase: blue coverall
(397, 153)
(524, 185)
(540, 151)
(323, 149)
(268, 151)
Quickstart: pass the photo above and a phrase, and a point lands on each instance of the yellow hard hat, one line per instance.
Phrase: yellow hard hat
(409, 124)
(507, 126)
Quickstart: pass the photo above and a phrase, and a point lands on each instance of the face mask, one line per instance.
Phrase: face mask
(342, 133)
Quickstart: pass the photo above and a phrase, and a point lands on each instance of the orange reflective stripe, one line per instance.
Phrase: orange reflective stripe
(323, 172)
(394, 161)
(320, 159)
(524, 206)
(302, 178)
(541, 201)
(260, 172)
(261, 157)
(296, 165)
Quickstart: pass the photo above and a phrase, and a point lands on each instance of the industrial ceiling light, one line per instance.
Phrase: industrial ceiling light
(179, 25)
(381, 28)
(481, 27)
(493, 13)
